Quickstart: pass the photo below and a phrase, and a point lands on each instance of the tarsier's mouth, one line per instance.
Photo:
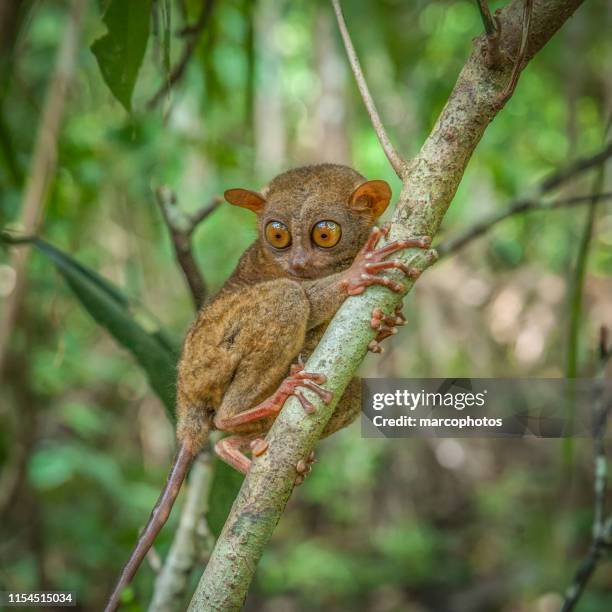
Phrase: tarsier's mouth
(301, 275)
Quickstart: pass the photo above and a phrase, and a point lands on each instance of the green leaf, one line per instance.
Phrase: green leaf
(129, 323)
(121, 50)
(225, 486)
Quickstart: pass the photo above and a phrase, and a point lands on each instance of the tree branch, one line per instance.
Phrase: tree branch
(193, 34)
(430, 182)
(453, 245)
(172, 580)
(577, 167)
(529, 203)
(577, 282)
(601, 538)
(493, 31)
(181, 228)
(397, 163)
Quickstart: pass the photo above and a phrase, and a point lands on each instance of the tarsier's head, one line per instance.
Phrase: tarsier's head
(312, 221)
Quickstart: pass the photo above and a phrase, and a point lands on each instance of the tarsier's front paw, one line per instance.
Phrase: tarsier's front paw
(386, 325)
(303, 468)
(371, 260)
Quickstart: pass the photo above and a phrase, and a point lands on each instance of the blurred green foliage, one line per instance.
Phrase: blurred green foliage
(379, 525)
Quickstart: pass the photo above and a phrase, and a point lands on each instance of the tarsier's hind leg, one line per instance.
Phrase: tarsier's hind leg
(257, 390)
(273, 404)
(231, 449)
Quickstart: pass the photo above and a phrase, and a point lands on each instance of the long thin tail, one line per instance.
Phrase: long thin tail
(158, 518)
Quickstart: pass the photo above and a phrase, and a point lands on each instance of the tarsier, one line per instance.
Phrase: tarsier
(243, 356)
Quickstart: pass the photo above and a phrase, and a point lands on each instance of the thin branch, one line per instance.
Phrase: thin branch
(577, 282)
(181, 227)
(522, 54)
(201, 214)
(492, 27)
(600, 538)
(487, 18)
(430, 183)
(191, 537)
(527, 204)
(455, 244)
(398, 164)
(577, 167)
(192, 33)
(44, 159)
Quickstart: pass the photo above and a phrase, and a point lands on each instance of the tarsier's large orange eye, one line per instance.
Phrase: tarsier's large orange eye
(278, 235)
(326, 234)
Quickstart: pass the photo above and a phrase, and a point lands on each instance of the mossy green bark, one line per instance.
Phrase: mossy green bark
(430, 182)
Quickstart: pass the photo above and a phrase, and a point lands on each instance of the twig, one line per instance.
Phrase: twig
(397, 163)
(522, 54)
(600, 538)
(577, 284)
(188, 541)
(181, 227)
(42, 166)
(192, 33)
(487, 18)
(577, 167)
(430, 182)
(526, 204)
(492, 28)
(453, 245)
(201, 214)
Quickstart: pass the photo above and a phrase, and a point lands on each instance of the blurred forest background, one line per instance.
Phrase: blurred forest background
(380, 525)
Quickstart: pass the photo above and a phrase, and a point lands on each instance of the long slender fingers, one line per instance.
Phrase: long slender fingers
(424, 242)
(324, 394)
(394, 264)
(370, 279)
(307, 405)
(374, 237)
(258, 447)
(385, 333)
(320, 379)
(375, 347)
(355, 289)
(400, 319)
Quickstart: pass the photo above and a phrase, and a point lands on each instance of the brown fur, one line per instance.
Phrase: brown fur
(276, 304)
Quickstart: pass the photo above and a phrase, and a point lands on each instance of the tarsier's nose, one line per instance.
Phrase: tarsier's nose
(298, 264)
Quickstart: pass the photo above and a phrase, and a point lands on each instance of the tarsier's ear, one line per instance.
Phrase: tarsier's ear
(247, 199)
(371, 197)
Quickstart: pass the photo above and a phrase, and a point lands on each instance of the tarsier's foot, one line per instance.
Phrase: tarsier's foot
(232, 450)
(298, 378)
(386, 325)
(258, 447)
(303, 468)
(272, 406)
(371, 260)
